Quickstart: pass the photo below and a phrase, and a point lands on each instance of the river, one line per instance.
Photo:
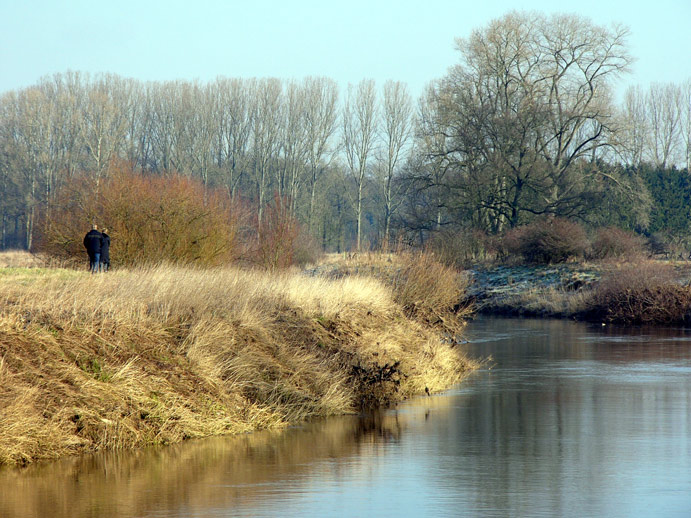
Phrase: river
(569, 420)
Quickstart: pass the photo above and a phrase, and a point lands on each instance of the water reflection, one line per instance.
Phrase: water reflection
(572, 420)
(217, 473)
(578, 421)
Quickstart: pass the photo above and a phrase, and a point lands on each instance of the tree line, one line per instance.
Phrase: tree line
(524, 126)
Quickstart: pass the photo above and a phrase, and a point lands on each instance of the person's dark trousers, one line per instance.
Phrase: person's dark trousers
(95, 262)
(104, 266)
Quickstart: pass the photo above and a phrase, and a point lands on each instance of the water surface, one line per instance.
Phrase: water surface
(571, 420)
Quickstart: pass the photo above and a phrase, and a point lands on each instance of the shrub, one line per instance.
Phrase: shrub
(641, 293)
(278, 233)
(658, 244)
(461, 248)
(546, 241)
(151, 219)
(615, 243)
(306, 249)
(670, 246)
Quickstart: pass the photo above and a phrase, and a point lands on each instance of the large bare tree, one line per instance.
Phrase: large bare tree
(526, 110)
(267, 122)
(396, 133)
(664, 108)
(103, 125)
(634, 132)
(234, 130)
(320, 124)
(290, 173)
(360, 120)
(686, 122)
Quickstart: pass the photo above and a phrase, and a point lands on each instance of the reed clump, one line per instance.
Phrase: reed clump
(157, 355)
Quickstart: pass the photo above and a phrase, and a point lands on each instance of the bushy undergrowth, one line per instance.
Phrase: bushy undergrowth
(615, 243)
(641, 293)
(281, 241)
(544, 241)
(461, 248)
(166, 353)
(169, 218)
(150, 219)
(547, 241)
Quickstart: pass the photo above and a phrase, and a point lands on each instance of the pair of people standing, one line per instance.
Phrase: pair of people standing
(97, 245)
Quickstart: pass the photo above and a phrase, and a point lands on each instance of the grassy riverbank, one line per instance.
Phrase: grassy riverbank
(159, 355)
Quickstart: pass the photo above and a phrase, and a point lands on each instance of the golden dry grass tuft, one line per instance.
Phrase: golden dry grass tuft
(160, 354)
(428, 290)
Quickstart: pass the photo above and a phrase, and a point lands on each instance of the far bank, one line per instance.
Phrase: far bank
(645, 291)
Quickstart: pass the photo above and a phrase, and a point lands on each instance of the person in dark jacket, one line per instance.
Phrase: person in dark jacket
(105, 251)
(92, 242)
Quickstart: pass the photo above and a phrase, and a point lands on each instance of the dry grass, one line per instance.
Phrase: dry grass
(428, 290)
(162, 354)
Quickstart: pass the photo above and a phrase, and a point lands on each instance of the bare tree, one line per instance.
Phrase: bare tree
(359, 133)
(162, 129)
(139, 128)
(396, 133)
(235, 127)
(267, 121)
(685, 102)
(294, 139)
(34, 140)
(63, 130)
(195, 125)
(528, 105)
(633, 135)
(664, 115)
(103, 126)
(320, 124)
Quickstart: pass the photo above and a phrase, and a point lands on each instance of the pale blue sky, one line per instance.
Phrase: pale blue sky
(410, 41)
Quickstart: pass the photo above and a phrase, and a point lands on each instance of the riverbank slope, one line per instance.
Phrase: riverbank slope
(155, 356)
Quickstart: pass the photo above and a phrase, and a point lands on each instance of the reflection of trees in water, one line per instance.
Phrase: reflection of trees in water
(554, 339)
(577, 409)
(216, 472)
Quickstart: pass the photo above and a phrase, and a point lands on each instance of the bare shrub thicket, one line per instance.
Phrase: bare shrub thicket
(170, 218)
(461, 248)
(641, 293)
(281, 241)
(615, 243)
(546, 241)
(151, 219)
